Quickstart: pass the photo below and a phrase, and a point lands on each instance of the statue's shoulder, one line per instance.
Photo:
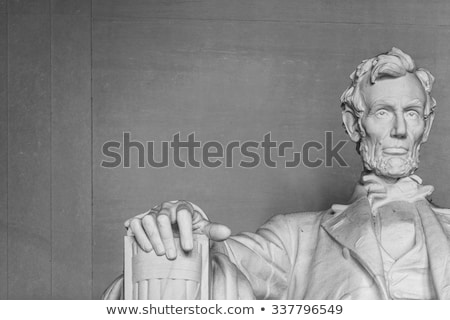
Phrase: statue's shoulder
(440, 210)
(302, 218)
(443, 214)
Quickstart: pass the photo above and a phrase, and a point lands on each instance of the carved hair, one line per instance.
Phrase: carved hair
(393, 64)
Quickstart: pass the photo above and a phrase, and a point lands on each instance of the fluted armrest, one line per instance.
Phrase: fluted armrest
(148, 276)
(201, 274)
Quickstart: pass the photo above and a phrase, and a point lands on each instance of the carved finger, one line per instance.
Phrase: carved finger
(216, 231)
(150, 227)
(169, 208)
(140, 235)
(183, 204)
(139, 216)
(184, 220)
(165, 230)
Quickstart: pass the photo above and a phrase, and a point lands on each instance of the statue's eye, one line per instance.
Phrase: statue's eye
(412, 114)
(382, 114)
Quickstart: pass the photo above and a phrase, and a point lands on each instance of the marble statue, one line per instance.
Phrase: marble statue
(389, 242)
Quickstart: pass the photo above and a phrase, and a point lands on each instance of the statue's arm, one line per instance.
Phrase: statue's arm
(262, 257)
(157, 229)
(260, 260)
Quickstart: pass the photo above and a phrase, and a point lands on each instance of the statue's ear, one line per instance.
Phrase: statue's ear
(351, 125)
(428, 124)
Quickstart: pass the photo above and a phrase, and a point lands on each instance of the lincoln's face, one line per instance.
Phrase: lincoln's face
(394, 125)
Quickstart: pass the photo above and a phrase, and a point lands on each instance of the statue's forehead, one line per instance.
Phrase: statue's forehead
(402, 90)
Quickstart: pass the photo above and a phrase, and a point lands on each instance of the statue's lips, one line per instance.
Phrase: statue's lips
(395, 151)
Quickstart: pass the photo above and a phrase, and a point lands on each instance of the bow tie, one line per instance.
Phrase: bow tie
(380, 192)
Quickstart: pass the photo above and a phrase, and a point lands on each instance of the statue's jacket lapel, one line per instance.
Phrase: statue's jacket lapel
(352, 228)
(436, 226)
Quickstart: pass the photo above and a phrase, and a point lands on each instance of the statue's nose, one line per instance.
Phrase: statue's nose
(399, 128)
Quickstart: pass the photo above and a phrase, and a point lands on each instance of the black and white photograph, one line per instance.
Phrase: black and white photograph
(225, 150)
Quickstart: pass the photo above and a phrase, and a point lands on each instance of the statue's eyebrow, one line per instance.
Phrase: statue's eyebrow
(383, 102)
(415, 103)
(389, 103)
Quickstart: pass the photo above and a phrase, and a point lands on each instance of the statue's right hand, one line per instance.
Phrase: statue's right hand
(154, 230)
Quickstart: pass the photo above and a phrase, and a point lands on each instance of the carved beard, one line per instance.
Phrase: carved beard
(388, 165)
